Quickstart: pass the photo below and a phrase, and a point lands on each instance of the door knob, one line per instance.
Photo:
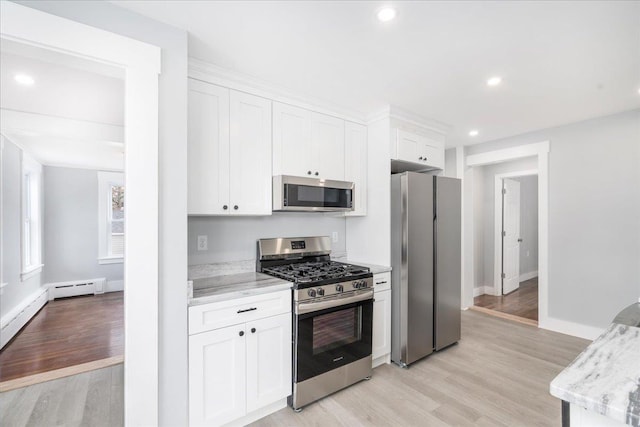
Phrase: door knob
(253, 330)
(420, 158)
(225, 207)
(520, 239)
(241, 333)
(309, 173)
(235, 207)
(317, 174)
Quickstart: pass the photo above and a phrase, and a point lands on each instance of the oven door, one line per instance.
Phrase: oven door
(328, 338)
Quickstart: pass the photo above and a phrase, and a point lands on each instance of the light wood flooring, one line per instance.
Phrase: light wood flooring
(522, 302)
(93, 398)
(498, 375)
(66, 332)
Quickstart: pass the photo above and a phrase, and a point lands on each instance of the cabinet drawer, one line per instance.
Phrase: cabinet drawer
(216, 315)
(382, 282)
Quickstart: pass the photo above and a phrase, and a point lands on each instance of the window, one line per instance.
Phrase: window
(111, 217)
(31, 217)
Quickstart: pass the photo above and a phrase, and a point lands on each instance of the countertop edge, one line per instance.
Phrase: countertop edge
(239, 294)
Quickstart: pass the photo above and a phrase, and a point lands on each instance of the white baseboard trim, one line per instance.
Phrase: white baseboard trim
(483, 290)
(114, 286)
(571, 328)
(14, 320)
(529, 275)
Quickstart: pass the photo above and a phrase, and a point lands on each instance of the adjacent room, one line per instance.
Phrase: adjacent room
(62, 215)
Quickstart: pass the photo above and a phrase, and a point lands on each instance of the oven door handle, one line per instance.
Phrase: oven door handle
(309, 307)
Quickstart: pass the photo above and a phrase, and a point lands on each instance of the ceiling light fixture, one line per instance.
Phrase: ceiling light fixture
(473, 133)
(494, 81)
(24, 79)
(386, 14)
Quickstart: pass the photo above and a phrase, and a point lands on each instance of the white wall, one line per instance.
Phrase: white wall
(369, 237)
(594, 215)
(16, 292)
(234, 238)
(172, 185)
(479, 224)
(450, 163)
(528, 224)
(71, 227)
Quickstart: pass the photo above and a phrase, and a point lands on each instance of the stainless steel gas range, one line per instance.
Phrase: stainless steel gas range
(332, 315)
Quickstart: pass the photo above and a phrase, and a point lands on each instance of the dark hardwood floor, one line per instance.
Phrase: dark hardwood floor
(66, 332)
(522, 302)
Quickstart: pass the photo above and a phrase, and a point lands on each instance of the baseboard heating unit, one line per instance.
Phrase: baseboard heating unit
(76, 288)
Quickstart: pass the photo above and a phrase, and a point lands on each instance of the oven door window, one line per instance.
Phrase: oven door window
(311, 196)
(332, 338)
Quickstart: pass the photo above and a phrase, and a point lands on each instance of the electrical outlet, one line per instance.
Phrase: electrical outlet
(334, 237)
(203, 243)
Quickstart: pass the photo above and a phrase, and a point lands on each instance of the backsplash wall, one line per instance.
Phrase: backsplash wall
(234, 238)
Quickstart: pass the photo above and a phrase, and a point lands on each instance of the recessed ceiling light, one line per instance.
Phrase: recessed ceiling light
(386, 14)
(24, 79)
(494, 81)
(473, 133)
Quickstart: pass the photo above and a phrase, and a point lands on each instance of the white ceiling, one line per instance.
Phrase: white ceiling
(561, 61)
(73, 115)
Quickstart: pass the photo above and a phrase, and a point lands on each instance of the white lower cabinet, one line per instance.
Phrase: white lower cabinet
(239, 373)
(381, 346)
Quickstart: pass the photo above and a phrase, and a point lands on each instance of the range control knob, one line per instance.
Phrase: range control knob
(320, 292)
(339, 288)
(364, 284)
(356, 284)
(311, 293)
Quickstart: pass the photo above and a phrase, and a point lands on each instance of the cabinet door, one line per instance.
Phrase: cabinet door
(381, 324)
(268, 360)
(217, 376)
(409, 146)
(208, 149)
(355, 164)
(327, 141)
(291, 140)
(432, 156)
(250, 152)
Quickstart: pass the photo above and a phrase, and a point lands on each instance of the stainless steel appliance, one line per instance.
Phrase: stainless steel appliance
(425, 256)
(332, 315)
(293, 193)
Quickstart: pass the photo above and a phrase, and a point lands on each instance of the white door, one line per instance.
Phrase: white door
(268, 361)
(217, 369)
(327, 141)
(381, 338)
(208, 149)
(291, 140)
(250, 155)
(355, 164)
(510, 236)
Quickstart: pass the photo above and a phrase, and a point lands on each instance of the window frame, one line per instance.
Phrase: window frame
(31, 194)
(107, 180)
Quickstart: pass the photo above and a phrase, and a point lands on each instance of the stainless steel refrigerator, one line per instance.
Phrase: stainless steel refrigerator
(425, 256)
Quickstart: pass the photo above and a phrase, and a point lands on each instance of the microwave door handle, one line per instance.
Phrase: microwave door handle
(309, 307)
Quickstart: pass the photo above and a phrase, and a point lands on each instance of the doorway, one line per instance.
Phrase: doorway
(142, 65)
(516, 254)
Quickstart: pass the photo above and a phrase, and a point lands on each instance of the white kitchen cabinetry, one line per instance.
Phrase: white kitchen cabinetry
(229, 140)
(381, 346)
(308, 144)
(418, 149)
(355, 164)
(239, 372)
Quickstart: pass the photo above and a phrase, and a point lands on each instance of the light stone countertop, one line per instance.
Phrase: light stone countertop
(230, 286)
(605, 377)
(375, 269)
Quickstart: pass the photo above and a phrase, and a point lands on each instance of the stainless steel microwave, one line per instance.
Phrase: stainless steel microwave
(294, 193)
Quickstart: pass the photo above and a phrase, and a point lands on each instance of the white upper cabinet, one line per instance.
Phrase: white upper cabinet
(229, 140)
(327, 147)
(249, 153)
(208, 149)
(355, 164)
(418, 149)
(306, 143)
(291, 140)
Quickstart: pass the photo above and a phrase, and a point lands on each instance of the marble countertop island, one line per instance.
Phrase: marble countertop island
(605, 377)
